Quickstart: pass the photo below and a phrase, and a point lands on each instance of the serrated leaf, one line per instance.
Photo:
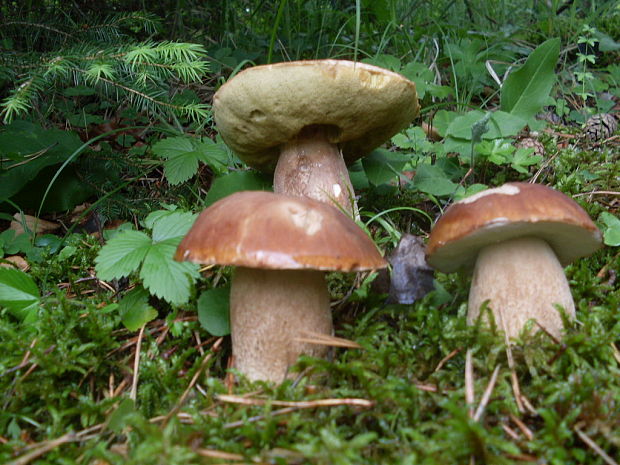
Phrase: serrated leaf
(525, 91)
(235, 182)
(213, 311)
(611, 234)
(122, 254)
(18, 292)
(522, 158)
(165, 278)
(181, 168)
(214, 155)
(181, 158)
(432, 180)
(381, 166)
(413, 138)
(135, 310)
(172, 226)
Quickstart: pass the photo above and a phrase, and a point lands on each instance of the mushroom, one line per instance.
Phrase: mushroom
(281, 247)
(517, 237)
(303, 117)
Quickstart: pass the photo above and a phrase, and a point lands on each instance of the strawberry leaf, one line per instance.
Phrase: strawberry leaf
(122, 255)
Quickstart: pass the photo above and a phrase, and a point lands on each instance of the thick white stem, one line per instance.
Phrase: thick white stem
(522, 279)
(311, 166)
(269, 310)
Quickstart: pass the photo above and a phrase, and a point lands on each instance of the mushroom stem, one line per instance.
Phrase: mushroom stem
(269, 310)
(522, 279)
(312, 166)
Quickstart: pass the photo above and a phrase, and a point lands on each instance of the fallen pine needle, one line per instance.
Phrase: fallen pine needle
(41, 448)
(616, 352)
(486, 395)
(232, 399)
(595, 447)
(325, 340)
(136, 365)
(218, 454)
(444, 360)
(524, 429)
(510, 432)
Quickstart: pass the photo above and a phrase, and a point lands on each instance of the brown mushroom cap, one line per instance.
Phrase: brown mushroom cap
(510, 211)
(265, 106)
(258, 229)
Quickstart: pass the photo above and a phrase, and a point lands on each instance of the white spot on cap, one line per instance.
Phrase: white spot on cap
(506, 189)
(311, 221)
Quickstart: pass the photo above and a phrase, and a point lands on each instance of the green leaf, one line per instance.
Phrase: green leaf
(525, 91)
(500, 124)
(442, 121)
(166, 278)
(215, 155)
(213, 311)
(463, 192)
(117, 420)
(611, 234)
(18, 292)
(135, 310)
(432, 180)
(181, 158)
(235, 182)
(122, 254)
(31, 148)
(15, 244)
(183, 153)
(413, 138)
(497, 151)
(382, 166)
(173, 226)
(420, 74)
(523, 158)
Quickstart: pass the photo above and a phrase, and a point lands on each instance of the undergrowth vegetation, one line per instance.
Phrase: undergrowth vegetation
(111, 352)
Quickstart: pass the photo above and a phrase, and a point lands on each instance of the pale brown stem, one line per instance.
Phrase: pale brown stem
(312, 166)
(522, 279)
(269, 311)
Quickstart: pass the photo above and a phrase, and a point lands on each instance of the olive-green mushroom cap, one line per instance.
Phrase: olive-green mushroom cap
(265, 106)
